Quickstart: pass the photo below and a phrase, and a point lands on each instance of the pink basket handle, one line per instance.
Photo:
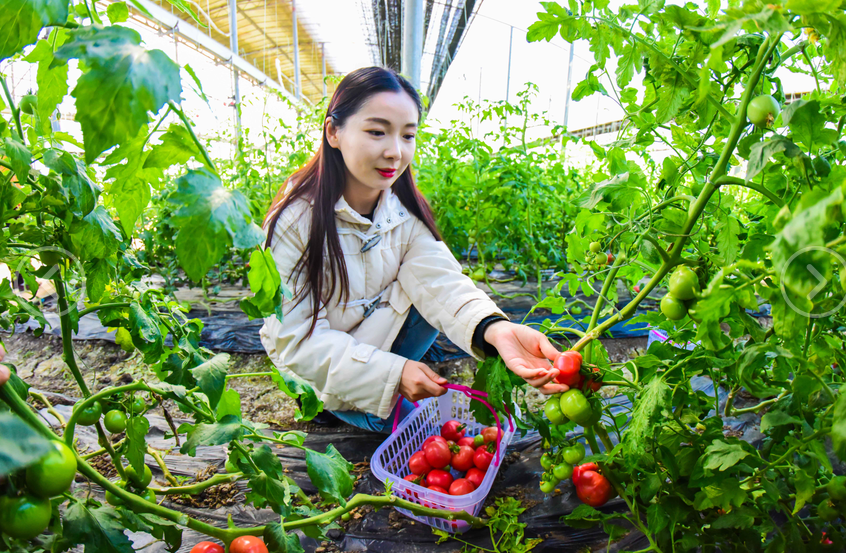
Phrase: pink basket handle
(472, 394)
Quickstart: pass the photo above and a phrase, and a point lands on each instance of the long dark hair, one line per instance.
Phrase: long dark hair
(322, 180)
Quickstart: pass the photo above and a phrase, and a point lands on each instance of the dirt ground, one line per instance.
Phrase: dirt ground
(39, 361)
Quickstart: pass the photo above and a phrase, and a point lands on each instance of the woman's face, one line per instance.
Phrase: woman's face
(381, 135)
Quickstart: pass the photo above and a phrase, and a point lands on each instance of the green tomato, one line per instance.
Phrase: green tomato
(148, 495)
(141, 482)
(345, 517)
(836, 488)
(90, 414)
(49, 257)
(53, 473)
(114, 500)
(684, 283)
(115, 421)
(547, 487)
(763, 110)
(26, 516)
(231, 467)
(827, 512)
(552, 410)
(576, 310)
(478, 275)
(693, 312)
(546, 461)
(574, 454)
(575, 406)
(138, 405)
(29, 103)
(562, 471)
(595, 247)
(672, 308)
(822, 166)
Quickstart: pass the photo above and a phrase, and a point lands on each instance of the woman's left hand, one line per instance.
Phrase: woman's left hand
(528, 353)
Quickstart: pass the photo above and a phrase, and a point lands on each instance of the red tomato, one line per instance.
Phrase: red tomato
(593, 488)
(593, 383)
(462, 486)
(438, 489)
(475, 476)
(418, 464)
(489, 434)
(610, 258)
(577, 471)
(453, 430)
(482, 458)
(568, 365)
(438, 454)
(467, 440)
(207, 547)
(637, 289)
(415, 479)
(463, 459)
(247, 544)
(431, 439)
(439, 478)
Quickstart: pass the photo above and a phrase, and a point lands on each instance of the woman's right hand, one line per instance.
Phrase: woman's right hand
(419, 382)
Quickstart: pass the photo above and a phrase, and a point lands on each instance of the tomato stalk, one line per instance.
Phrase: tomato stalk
(67, 335)
(16, 113)
(726, 180)
(190, 130)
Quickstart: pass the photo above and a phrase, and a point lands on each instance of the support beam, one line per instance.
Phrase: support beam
(233, 45)
(296, 51)
(412, 40)
(323, 59)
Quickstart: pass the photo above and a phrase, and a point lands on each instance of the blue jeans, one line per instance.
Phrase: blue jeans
(413, 341)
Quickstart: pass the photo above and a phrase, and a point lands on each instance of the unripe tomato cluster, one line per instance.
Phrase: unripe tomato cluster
(831, 509)
(28, 514)
(596, 258)
(453, 452)
(681, 298)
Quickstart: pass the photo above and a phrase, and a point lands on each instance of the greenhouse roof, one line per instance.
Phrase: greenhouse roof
(352, 33)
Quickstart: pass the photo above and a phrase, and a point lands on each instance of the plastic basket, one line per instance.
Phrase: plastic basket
(391, 459)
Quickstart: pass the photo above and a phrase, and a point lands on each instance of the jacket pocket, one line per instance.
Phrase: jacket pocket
(398, 299)
(362, 352)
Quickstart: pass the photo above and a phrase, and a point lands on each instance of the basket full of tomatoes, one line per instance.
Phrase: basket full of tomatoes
(440, 457)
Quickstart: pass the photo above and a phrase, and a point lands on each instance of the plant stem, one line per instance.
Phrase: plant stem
(40, 397)
(16, 113)
(813, 69)
(196, 140)
(609, 280)
(93, 308)
(245, 375)
(198, 487)
(726, 180)
(67, 334)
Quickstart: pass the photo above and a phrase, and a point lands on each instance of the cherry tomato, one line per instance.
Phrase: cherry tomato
(546, 486)
(140, 482)
(562, 471)
(476, 476)
(763, 110)
(593, 488)
(673, 308)
(836, 488)
(595, 247)
(684, 283)
(431, 439)
(26, 516)
(461, 486)
(247, 544)
(415, 479)
(231, 467)
(468, 441)
(576, 310)
(90, 414)
(439, 478)
(574, 454)
(568, 365)
(111, 498)
(53, 473)
(438, 489)
(115, 421)
(577, 471)
(637, 289)
(438, 455)
(463, 459)
(207, 547)
(453, 430)
(610, 258)
(552, 410)
(28, 104)
(418, 464)
(478, 440)
(546, 461)
(490, 434)
(138, 405)
(575, 406)
(482, 458)
(148, 495)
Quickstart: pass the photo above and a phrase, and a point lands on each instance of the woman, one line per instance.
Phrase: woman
(372, 281)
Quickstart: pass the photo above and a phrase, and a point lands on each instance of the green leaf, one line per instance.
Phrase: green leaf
(805, 488)
(209, 217)
(808, 124)
(616, 191)
(22, 20)
(294, 387)
(123, 83)
(76, 189)
(230, 404)
(117, 12)
(654, 397)
(146, 335)
(211, 377)
(130, 197)
(280, 541)
(176, 148)
(95, 236)
(628, 64)
(136, 432)
(330, 473)
(671, 97)
(223, 432)
(773, 419)
(722, 455)
(52, 80)
(727, 238)
(724, 495)
(761, 152)
(99, 529)
(19, 157)
(20, 444)
(838, 427)
(743, 517)
(267, 286)
(492, 377)
(807, 7)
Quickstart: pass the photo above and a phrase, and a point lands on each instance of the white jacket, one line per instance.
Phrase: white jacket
(393, 261)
